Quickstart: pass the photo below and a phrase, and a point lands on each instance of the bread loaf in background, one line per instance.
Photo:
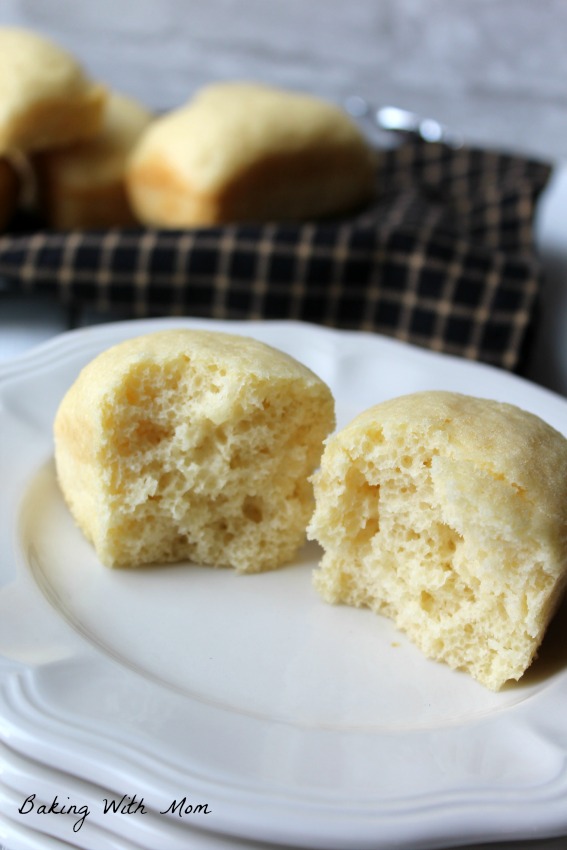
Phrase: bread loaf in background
(237, 152)
(448, 514)
(249, 152)
(188, 444)
(46, 98)
(83, 185)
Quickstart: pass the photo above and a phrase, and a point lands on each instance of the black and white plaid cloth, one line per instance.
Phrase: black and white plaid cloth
(443, 258)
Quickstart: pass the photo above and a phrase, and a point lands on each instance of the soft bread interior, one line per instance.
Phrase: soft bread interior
(197, 446)
(448, 514)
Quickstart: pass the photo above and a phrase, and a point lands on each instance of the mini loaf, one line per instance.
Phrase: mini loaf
(448, 513)
(83, 185)
(189, 444)
(46, 99)
(247, 152)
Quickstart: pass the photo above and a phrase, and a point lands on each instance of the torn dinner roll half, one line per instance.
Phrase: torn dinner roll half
(249, 152)
(448, 514)
(190, 444)
(46, 98)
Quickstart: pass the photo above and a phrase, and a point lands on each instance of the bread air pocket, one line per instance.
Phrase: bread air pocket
(192, 445)
(448, 514)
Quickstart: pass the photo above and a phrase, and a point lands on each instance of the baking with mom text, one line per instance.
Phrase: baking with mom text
(125, 805)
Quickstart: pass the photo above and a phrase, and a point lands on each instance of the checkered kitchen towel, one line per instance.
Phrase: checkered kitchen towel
(443, 258)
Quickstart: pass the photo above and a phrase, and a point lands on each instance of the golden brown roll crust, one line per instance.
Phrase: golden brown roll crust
(448, 513)
(83, 185)
(242, 152)
(192, 445)
(45, 97)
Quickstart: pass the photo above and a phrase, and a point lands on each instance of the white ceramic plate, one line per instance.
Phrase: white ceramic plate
(97, 832)
(294, 721)
(88, 827)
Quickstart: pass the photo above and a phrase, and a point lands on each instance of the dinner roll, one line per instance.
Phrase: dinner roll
(82, 185)
(189, 444)
(244, 152)
(448, 514)
(45, 97)
(9, 191)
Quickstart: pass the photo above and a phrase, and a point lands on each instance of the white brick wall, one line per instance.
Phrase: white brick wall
(495, 69)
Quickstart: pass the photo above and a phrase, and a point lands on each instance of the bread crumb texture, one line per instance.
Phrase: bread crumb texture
(187, 444)
(448, 514)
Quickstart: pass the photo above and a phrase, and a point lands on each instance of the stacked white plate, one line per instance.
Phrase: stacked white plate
(214, 711)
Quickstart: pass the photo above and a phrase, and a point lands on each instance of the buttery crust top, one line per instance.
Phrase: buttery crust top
(34, 71)
(228, 127)
(510, 444)
(240, 355)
